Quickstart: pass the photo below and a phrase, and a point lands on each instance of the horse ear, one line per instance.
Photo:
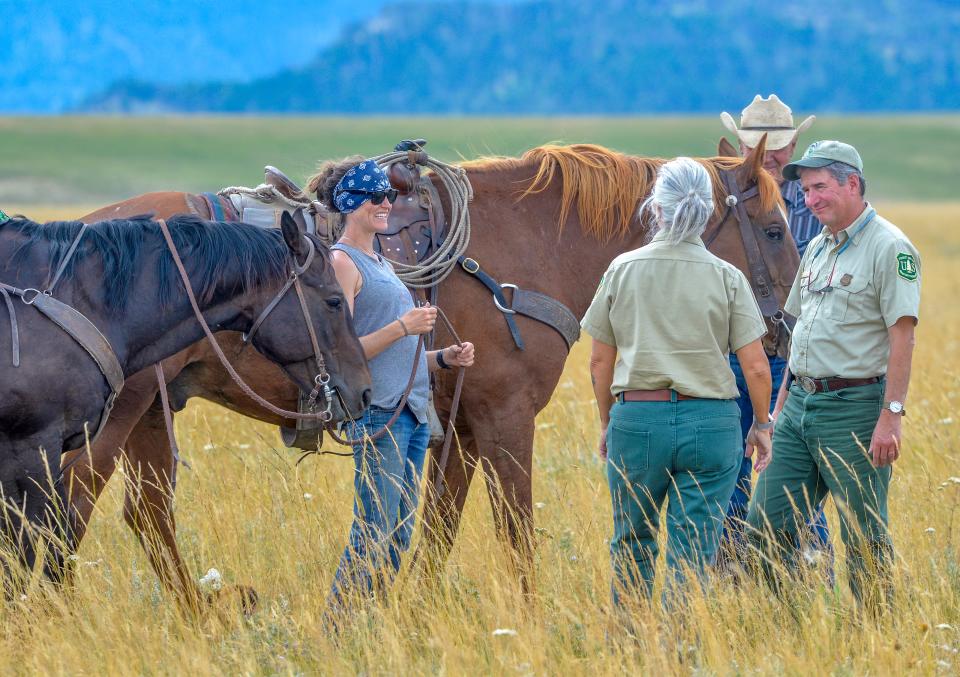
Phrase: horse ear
(753, 162)
(726, 149)
(292, 235)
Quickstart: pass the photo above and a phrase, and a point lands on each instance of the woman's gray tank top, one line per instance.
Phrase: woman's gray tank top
(383, 299)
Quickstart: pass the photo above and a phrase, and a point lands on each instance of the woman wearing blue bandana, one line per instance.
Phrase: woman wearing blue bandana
(388, 470)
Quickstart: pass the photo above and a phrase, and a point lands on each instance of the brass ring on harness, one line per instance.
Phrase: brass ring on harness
(508, 311)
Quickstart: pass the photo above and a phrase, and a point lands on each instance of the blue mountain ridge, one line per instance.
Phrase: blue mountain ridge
(617, 57)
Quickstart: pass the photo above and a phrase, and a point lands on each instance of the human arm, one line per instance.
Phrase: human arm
(453, 356)
(756, 372)
(885, 442)
(413, 322)
(603, 356)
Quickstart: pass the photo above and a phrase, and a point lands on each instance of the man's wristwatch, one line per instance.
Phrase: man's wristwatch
(764, 426)
(895, 407)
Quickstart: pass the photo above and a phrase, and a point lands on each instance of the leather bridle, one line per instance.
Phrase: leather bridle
(321, 381)
(760, 279)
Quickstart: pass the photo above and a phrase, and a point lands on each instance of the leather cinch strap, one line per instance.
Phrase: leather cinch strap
(473, 268)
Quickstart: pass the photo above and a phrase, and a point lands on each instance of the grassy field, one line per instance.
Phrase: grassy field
(92, 161)
(247, 511)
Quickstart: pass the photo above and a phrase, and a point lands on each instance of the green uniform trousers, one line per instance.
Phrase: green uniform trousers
(820, 445)
(686, 452)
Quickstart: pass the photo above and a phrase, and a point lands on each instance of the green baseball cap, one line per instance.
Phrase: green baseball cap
(821, 154)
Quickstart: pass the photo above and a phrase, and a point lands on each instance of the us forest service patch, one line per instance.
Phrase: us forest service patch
(906, 267)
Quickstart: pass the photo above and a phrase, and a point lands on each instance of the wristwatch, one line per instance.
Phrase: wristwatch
(895, 407)
(764, 426)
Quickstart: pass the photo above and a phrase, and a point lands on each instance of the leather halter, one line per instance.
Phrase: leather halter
(760, 279)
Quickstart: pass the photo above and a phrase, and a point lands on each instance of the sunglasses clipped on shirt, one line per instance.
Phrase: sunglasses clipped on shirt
(377, 196)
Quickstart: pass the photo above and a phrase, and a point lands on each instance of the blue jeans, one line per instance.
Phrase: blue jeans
(387, 488)
(819, 535)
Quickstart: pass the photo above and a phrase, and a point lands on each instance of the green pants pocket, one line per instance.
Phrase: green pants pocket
(718, 448)
(628, 445)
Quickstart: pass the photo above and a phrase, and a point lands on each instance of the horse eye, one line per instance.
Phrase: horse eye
(334, 302)
(775, 234)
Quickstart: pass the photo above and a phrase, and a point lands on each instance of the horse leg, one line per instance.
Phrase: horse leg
(506, 455)
(31, 505)
(87, 472)
(441, 514)
(148, 510)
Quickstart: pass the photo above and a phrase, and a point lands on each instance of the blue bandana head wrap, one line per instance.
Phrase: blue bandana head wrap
(366, 176)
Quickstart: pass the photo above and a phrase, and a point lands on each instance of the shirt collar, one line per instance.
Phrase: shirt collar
(855, 229)
(695, 240)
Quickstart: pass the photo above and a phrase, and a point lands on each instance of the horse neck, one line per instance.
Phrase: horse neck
(147, 331)
(529, 246)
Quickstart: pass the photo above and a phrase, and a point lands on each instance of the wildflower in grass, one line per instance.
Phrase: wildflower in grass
(930, 530)
(307, 496)
(505, 632)
(539, 505)
(212, 580)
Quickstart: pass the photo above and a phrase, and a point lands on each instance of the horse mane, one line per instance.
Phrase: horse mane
(213, 252)
(608, 186)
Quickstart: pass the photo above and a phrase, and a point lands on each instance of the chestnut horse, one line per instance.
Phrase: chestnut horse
(549, 221)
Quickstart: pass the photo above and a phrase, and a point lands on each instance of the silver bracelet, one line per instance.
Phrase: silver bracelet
(764, 426)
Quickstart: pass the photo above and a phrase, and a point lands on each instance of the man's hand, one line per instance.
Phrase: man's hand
(885, 443)
(759, 447)
(602, 446)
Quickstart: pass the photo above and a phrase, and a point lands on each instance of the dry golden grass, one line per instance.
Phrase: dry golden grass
(245, 510)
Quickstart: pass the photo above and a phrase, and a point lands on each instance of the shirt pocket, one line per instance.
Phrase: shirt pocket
(848, 301)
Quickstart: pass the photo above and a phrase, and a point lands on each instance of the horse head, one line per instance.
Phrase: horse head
(751, 232)
(310, 333)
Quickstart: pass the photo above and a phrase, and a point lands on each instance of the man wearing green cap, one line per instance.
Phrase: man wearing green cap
(856, 298)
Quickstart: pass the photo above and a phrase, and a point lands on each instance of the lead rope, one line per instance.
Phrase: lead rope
(439, 485)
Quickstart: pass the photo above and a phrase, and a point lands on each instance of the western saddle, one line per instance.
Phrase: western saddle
(416, 228)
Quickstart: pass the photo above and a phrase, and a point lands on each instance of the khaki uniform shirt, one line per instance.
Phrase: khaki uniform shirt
(849, 290)
(674, 312)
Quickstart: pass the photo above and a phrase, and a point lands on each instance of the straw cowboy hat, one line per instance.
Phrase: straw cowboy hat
(769, 116)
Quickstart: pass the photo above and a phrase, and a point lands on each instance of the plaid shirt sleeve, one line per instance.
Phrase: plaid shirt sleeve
(804, 226)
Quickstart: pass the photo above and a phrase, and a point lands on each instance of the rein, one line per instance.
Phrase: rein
(439, 486)
(321, 380)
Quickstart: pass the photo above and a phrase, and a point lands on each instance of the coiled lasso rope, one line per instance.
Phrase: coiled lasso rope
(433, 269)
(436, 267)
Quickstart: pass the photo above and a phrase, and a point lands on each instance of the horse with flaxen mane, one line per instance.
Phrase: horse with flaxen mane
(549, 221)
(113, 304)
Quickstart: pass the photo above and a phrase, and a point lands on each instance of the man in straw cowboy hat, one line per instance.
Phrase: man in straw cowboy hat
(774, 118)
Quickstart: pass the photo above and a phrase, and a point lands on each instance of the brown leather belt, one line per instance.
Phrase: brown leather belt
(823, 385)
(650, 396)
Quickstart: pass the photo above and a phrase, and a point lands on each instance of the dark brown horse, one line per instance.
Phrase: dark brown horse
(117, 295)
(549, 221)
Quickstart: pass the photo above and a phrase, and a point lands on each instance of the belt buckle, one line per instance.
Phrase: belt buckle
(808, 384)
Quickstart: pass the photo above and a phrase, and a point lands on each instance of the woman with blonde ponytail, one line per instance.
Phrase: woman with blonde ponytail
(663, 321)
